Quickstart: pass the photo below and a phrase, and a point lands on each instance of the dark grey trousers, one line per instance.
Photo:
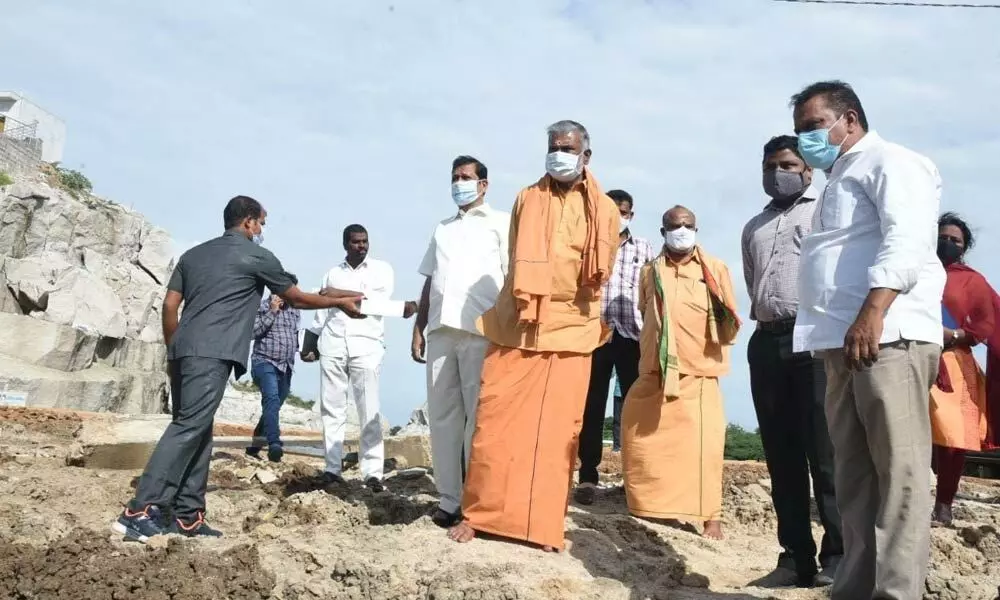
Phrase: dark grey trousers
(788, 393)
(176, 475)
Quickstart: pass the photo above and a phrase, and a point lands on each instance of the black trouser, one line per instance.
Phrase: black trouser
(788, 394)
(622, 356)
(176, 475)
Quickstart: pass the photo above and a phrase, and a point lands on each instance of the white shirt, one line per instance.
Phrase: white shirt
(875, 227)
(467, 261)
(339, 333)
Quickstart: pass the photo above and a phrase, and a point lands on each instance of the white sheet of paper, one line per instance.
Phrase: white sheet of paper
(377, 307)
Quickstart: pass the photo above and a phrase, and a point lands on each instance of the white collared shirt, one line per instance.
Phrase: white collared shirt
(467, 261)
(339, 333)
(875, 227)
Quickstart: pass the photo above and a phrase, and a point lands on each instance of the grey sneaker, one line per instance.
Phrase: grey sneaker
(197, 528)
(140, 526)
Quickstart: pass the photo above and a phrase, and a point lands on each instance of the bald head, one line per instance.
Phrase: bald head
(679, 216)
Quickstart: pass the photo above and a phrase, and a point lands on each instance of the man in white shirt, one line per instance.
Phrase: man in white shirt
(350, 357)
(870, 287)
(465, 266)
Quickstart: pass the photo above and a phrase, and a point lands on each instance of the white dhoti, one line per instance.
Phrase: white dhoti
(346, 375)
(454, 368)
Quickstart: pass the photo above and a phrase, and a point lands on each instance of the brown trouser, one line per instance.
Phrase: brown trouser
(880, 427)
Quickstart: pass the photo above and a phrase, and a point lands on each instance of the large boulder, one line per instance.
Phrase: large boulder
(242, 407)
(420, 422)
(45, 344)
(54, 290)
(81, 285)
(98, 388)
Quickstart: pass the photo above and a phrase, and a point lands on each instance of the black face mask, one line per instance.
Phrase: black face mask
(949, 252)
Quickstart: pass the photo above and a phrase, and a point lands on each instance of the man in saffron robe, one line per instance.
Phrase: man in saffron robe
(542, 331)
(673, 426)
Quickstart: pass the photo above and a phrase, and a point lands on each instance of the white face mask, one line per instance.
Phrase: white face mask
(563, 166)
(465, 192)
(623, 224)
(680, 239)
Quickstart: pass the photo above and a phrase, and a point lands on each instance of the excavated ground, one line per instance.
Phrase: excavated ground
(289, 537)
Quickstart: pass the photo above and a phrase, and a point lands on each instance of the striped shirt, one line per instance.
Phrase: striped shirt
(620, 297)
(276, 335)
(772, 243)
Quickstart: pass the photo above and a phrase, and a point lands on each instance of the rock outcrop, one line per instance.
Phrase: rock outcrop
(240, 406)
(243, 407)
(420, 422)
(81, 284)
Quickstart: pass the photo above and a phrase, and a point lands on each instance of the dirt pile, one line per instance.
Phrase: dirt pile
(290, 536)
(84, 565)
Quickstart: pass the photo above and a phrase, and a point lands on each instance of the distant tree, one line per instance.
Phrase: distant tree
(608, 423)
(742, 444)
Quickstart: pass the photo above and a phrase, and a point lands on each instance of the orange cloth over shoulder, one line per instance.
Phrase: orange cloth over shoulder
(531, 267)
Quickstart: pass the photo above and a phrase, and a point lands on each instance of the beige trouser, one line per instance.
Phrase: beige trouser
(880, 426)
(454, 371)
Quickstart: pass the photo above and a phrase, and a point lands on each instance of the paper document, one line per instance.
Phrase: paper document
(377, 307)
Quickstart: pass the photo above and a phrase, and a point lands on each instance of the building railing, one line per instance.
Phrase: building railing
(14, 129)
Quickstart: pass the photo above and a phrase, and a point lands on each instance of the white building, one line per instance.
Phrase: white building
(22, 118)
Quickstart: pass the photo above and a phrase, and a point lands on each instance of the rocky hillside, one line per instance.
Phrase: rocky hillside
(81, 284)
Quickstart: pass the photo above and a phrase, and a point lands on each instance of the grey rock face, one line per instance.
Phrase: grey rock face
(81, 284)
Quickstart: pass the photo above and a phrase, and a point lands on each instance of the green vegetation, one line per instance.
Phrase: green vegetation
(74, 182)
(5, 179)
(740, 443)
(291, 400)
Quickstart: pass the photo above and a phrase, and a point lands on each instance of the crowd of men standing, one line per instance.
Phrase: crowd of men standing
(524, 317)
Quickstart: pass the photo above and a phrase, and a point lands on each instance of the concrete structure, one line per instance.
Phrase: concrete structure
(21, 118)
(19, 156)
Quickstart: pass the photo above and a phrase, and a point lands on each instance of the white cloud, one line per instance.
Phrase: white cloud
(340, 112)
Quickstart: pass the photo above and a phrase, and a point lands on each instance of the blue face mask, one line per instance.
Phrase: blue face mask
(816, 149)
(258, 238)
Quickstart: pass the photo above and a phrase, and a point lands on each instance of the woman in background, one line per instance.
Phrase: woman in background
(962, 414)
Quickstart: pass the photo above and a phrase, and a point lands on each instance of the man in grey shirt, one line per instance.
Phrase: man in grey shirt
(220, 283)
(788, 388)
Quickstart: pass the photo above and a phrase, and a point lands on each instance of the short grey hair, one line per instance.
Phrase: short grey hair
(567, 126)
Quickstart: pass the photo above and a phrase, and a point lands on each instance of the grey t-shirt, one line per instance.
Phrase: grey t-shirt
(222, 282)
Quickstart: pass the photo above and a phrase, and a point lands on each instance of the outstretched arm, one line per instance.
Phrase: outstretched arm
(297, 298)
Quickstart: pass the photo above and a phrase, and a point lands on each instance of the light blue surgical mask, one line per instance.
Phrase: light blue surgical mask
(465, 192)
(258, 238)
(816, 149)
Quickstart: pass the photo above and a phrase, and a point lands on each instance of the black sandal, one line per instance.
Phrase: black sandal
(446, 520)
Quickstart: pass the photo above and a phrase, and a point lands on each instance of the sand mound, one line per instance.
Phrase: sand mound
(291, 537)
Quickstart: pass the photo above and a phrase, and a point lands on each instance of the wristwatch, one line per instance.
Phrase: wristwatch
(954, 336)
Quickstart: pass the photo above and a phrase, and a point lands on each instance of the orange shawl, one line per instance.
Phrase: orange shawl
(531, 269)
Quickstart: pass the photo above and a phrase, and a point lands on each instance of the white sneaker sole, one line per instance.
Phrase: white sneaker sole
(130, 534)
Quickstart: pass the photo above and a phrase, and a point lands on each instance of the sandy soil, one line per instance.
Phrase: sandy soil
(292, 539)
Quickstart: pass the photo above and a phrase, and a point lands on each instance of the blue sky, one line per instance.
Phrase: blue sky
(334, 112)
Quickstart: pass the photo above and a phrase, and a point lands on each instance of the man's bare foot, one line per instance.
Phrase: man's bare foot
(462, 533)
(549, 549)
(713, 530)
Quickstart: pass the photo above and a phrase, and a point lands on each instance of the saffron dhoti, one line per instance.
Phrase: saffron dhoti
(524, 448)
